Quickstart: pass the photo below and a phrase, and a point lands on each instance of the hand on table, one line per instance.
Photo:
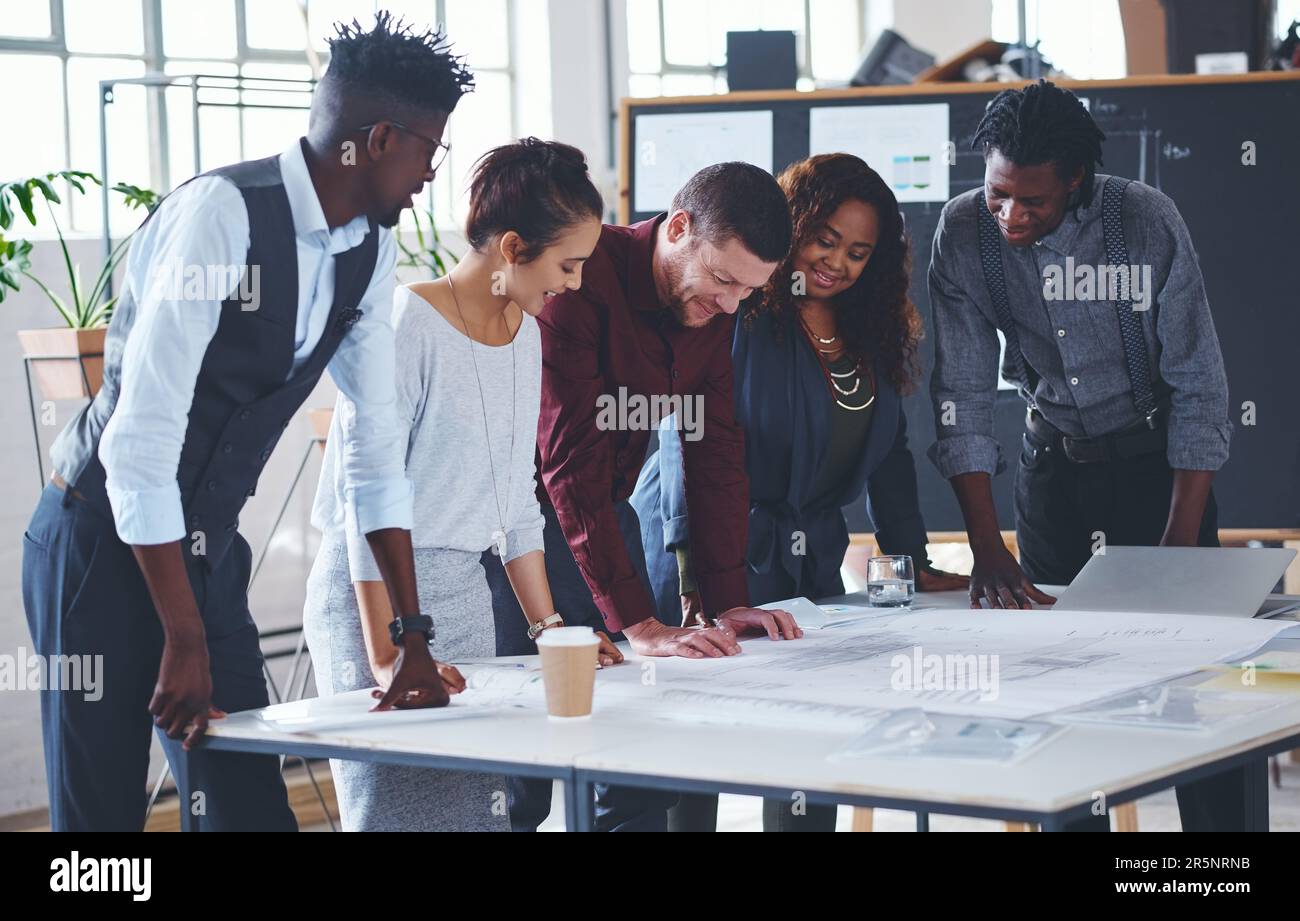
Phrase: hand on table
(417, 681)
(998, 579)
(651, 638)
(182, 697)
(936, 580)
(778, 625)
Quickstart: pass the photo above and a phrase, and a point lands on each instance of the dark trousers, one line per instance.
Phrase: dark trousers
(696, 812)
(1060, 506)
(617, 808)
(85, 597)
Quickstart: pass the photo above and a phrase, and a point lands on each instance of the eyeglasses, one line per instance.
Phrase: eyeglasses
(440, 148)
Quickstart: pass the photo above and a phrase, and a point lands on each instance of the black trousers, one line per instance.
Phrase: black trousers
(1062, 510)
(86, 599)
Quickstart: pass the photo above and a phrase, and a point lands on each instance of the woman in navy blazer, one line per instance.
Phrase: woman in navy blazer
(821, 358)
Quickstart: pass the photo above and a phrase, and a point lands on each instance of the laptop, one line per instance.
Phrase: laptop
(1224, 581)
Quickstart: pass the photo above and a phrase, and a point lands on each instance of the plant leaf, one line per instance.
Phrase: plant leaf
(54, 299)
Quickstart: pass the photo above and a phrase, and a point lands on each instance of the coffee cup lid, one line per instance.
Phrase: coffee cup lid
(567, 636)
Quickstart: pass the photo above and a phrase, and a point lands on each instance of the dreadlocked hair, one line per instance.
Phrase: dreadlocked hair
(1043, 123)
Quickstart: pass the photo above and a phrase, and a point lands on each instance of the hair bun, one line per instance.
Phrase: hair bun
(536, 152)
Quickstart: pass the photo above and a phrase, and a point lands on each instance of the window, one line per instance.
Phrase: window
(1086, 41)
(58, 51)
(1288, 11)
(679, 47)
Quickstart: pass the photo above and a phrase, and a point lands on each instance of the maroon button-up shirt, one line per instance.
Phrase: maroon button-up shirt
(611, 334)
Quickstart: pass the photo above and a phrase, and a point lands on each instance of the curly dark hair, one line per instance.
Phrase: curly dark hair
(875, 317)
(388, 71)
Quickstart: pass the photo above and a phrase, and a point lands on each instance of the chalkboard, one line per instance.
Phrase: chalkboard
(1184, 136)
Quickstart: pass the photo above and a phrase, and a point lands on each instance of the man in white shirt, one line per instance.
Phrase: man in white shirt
(242, 288)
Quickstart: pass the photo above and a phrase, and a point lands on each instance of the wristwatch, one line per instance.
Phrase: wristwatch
(535, 630)
(419, 623)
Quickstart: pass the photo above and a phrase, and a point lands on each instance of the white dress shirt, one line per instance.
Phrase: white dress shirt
(205, 223)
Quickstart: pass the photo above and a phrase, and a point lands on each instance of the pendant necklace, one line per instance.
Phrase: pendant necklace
(499, 535)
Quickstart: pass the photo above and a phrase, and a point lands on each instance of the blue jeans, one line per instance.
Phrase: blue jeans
(617, 808)
(86, 598)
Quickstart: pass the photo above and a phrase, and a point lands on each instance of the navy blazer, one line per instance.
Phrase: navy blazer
(781, 401)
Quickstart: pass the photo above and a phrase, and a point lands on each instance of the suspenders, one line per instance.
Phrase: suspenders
(1130, 324)
(991, 256)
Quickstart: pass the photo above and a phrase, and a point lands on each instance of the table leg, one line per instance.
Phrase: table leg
(183, 772)
(579, 803)
(1257, 795)
(923, 821)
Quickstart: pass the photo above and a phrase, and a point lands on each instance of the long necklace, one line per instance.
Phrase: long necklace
(499, 535)
(854, 375)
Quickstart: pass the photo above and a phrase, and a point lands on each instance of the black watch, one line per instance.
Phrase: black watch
(419, 623)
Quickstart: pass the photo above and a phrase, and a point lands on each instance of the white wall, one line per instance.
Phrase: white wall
(943, 27)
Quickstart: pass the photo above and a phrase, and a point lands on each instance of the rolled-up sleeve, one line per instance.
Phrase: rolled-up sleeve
(203, 223)
(1191, 362)
(963, 387)
(377, 492)
(527, 529)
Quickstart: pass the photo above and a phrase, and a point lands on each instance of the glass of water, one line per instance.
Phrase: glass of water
(891, 581)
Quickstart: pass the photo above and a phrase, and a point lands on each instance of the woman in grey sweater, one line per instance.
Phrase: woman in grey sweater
(468, 391)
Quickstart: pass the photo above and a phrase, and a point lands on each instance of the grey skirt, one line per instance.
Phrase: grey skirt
(387, 797)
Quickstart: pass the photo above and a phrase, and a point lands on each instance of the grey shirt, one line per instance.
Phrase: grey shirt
(469, 457)
(1070, 336)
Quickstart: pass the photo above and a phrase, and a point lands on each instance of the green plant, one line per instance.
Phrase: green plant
(429, 252)
(85, 308)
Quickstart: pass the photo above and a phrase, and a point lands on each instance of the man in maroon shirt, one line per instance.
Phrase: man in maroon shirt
(652, 320)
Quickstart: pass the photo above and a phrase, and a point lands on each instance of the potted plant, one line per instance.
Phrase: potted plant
(71, 356)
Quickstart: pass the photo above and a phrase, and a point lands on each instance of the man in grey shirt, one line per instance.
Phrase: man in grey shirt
(1095, 285)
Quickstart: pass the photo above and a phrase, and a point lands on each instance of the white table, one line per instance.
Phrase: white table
(1050, 786)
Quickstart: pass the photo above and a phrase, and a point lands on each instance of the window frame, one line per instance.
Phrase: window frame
(155, 61)
(804, 56)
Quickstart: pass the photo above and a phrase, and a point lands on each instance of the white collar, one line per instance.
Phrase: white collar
(304, 204)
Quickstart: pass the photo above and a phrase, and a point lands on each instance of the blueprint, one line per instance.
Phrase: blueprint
(986, 663)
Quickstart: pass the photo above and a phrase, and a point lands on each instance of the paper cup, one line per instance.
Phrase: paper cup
(569, 658)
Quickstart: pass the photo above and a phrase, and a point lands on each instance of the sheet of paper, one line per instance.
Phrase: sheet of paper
(914, 733)
(671, 148)
(982, 665)
(812, 616)
(908, 145)
(1284, 662)
(1009, 664)
(1197, 708)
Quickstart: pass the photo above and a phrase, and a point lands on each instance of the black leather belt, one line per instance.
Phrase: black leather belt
(62, 486)
(1148, 437)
